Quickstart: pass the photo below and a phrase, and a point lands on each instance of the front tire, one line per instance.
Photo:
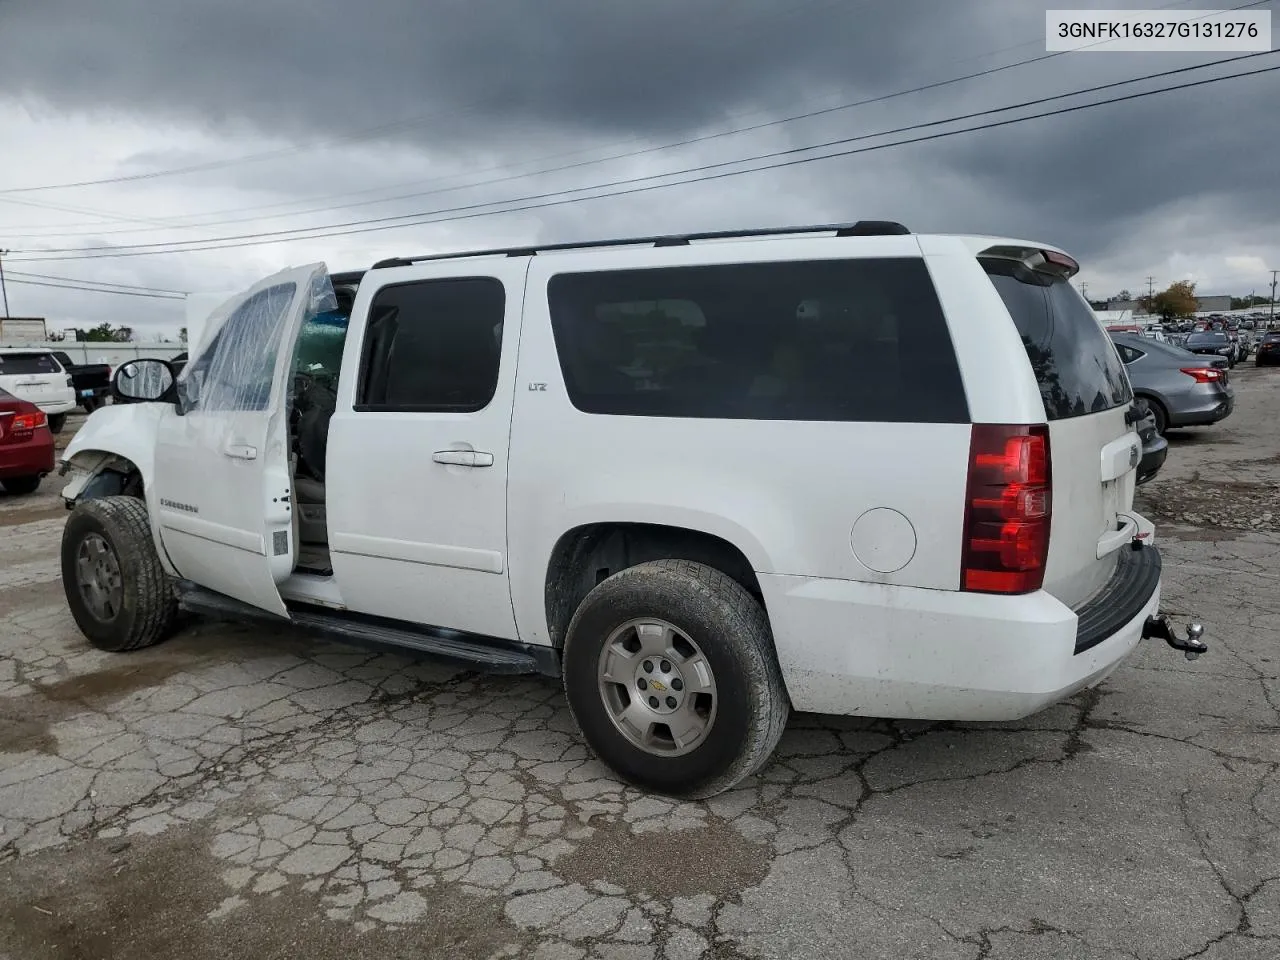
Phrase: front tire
(671, 675)
(116, 588)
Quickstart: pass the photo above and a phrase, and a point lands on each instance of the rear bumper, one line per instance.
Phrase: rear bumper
(1154, 455)
(1204, 409)
(30, 458)
(868, 649)
(53, 406)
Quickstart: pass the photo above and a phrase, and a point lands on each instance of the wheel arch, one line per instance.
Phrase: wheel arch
(119, 439)
(590, 553)
(1155, 398)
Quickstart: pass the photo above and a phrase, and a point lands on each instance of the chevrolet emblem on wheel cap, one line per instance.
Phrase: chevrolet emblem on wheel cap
(657, 685)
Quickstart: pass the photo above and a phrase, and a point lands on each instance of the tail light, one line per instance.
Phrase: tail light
(70, 382)
(27, 422)
(1203, 374)
(1008, 506)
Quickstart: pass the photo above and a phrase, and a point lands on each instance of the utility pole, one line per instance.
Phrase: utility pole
(1272, 319)
(1151, 287)
(5, 293)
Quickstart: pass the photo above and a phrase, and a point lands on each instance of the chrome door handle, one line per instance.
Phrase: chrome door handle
(241, 451)
(463, 458)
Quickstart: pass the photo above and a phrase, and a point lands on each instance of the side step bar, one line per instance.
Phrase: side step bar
(488, 654)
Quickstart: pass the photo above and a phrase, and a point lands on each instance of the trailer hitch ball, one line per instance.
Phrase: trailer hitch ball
(1192, 646)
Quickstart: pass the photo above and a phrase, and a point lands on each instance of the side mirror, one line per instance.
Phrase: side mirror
(143, 380)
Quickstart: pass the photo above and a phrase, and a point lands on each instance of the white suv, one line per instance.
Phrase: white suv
(38, 377)
(707, 480)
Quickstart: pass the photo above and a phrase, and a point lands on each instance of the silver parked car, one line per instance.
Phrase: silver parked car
(1182, 389)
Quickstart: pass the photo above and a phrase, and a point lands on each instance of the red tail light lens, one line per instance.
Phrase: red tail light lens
(27, 422)
(1203, 374)
(1008, 507)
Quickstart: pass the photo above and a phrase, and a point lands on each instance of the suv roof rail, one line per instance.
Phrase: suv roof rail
(862, 228)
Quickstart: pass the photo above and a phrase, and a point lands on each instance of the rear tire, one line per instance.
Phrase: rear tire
(117, 590)
(21, 485)
(1158, 411)
(711, 635)
(56, 422)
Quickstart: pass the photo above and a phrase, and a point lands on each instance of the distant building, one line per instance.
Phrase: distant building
(1213, 304)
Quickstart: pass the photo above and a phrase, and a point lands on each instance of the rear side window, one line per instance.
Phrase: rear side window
(1075, 363)
(843, 340)
(19, 364)
(1128, 354)
(433, 346)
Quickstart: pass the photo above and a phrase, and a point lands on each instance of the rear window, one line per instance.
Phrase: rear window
(1208, 339)
(27, 363)
(829, 340)
(1075, 363)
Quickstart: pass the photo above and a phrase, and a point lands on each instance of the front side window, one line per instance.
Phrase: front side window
(235, 371)
(827, 340)
(433, 346)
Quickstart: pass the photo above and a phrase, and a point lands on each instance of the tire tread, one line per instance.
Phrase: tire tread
(746, 621)
(127, 521)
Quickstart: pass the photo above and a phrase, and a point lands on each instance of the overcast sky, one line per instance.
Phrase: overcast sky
(322, 113)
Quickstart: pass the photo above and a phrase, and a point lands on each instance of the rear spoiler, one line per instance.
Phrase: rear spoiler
(1041, 261)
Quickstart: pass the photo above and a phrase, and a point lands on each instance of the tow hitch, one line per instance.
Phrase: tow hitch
(1158, 626)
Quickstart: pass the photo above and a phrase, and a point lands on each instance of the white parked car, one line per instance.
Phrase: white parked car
(705, 480)
(38, 377)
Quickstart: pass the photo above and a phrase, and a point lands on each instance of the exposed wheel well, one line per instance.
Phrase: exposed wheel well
(119, 476)
(586, 556)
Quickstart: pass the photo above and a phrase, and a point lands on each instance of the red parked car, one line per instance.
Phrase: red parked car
(26, 445)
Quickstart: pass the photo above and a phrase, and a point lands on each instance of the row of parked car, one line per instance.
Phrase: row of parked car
(1178, 387)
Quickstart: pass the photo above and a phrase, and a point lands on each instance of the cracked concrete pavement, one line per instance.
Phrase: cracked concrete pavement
(236, 792)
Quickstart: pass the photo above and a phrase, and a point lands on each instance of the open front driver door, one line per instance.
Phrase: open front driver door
(222, 485)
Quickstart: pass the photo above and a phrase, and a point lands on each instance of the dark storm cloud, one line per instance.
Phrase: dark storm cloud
(331, 65)
(495, 82)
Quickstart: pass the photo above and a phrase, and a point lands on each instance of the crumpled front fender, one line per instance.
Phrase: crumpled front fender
(110, 435)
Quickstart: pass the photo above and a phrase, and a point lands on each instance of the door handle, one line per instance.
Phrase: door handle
(241, 451)
(463, 458)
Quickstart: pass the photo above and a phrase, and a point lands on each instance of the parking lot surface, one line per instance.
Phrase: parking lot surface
(236, 792)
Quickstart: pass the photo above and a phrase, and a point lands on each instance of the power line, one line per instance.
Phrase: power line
(554, 169)
(101, 283)
(84, 289)
(381, 223)
(361, 135)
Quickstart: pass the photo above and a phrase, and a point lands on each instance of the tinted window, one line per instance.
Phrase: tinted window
(1207, 340)
(27, 363)
(825, 340)
(1078, 369)
(1128, 354)
(433, 346)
